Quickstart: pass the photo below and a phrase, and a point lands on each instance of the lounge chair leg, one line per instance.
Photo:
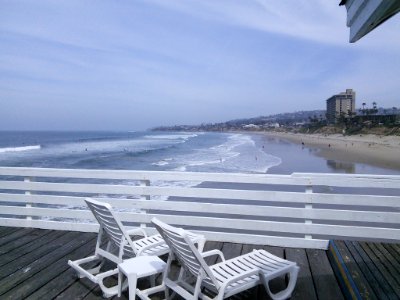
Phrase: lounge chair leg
(286, 293)
(108, 291)
(166, 292)
(153, 280)
(96, 269)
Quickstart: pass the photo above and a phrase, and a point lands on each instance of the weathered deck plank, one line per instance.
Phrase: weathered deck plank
(304, 289)
(47, 274)
(31, 257)
(366, 270)
(353, 263)
(369, 288)
(395, 255)
(389, 283)
(23, 272)
(387, 261)
(324, 279)
(14, 235)
(7, 230)
(30, 247)
(13, 245)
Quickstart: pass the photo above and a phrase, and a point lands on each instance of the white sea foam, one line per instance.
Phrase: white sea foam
(238, 154)
(171, 136)
(19, 149)
(161, 163)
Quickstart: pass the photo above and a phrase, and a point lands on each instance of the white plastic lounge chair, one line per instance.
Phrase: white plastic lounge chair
(226, 278)
(119, 245)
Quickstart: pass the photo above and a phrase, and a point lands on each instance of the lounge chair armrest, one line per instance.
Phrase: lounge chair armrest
(213, 252)
(160, 243)
(136, 231)
(198, 239)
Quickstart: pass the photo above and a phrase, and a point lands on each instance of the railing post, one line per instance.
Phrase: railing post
(28, 204)
(144, 197)
(308, 205)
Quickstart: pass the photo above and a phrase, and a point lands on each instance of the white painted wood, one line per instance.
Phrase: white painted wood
(380, 213)
(268, 226)
(279, 197)
(212, 236)
(350, 180)
(277, 241)
(48, 212)
(151, 175)
(356, 180)
(232, 209)
(53, 225)
(273, 196)
(267, 211)
(60, 200)
(308, 206)
(364, 15)
(255, 239)
(28, 204)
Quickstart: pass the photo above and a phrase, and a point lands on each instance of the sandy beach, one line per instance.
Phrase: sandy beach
(380, 151)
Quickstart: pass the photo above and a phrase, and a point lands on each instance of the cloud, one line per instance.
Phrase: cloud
(313, 20)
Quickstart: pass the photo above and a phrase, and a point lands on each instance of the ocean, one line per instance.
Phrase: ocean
(167, 151)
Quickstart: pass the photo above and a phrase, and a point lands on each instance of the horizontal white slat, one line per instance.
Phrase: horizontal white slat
(47, 212)
(253, 239)
(150, 175)
(210, 236)
(351, 180)
(53, 225)
(246, 211)
(268, 226)
(347, 199)
(272, 196)
(68, 187)
(60, 200)
(222, 223)
(269, 211)
(277, 241)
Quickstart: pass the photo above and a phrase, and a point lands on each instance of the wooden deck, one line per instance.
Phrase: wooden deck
(33, 265)
(367, 270)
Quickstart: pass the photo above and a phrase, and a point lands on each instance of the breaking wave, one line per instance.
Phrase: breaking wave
(20, 149)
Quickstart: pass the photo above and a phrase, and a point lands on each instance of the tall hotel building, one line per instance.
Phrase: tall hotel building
(342, 103)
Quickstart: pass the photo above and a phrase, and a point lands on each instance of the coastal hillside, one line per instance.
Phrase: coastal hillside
(379, 122)
(256, 123)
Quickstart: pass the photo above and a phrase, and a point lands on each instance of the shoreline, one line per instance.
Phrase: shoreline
(374, 150)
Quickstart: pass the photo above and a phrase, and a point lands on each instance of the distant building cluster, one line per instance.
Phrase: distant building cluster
(341, 105)
(340, 112)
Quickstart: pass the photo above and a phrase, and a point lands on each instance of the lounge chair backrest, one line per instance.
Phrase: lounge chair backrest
(111, 225)
(185, 251)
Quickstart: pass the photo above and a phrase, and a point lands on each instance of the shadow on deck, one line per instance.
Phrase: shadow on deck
(33, 265)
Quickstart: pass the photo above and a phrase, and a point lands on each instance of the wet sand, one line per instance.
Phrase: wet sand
(380, 151)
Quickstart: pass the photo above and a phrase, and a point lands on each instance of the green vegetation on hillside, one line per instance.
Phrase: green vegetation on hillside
(368, 121)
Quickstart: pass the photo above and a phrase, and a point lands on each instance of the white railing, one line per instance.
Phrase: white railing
(297, 210)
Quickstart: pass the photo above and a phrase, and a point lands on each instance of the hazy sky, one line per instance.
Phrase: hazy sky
(131, 65)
